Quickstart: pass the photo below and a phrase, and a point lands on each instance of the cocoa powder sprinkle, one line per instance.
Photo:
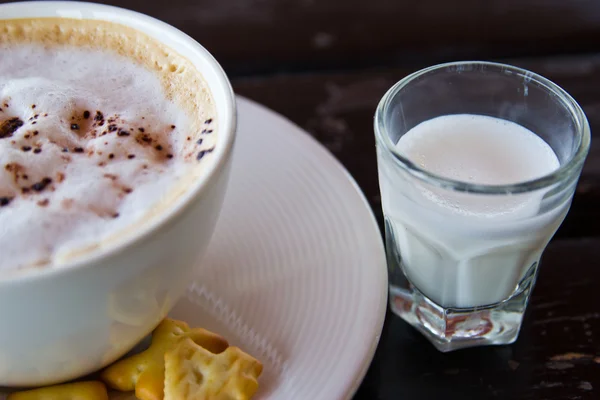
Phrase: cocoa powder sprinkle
(41, 185)
(10, 126)
(4, 201)
(202, 153)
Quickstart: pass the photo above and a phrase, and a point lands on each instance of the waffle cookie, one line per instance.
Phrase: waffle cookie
(145, 372)
(194, 373)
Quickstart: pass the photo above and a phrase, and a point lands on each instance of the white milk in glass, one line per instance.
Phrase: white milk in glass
(464, 249)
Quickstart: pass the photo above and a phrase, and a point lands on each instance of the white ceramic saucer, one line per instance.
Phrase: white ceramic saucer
(295, 274)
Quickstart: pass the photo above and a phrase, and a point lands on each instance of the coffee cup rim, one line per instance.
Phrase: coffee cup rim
(195, 52)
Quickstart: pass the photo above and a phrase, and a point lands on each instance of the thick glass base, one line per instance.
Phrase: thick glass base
(451, 329)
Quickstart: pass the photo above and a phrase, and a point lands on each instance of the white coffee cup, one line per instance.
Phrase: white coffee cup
(59, 324)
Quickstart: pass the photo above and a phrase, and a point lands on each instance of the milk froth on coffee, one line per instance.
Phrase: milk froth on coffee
(101, 127)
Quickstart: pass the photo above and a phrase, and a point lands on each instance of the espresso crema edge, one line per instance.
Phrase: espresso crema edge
(182, 83)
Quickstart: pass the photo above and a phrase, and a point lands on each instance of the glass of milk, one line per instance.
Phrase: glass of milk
(478, 163)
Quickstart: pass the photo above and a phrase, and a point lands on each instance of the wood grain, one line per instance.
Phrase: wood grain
(265, 36)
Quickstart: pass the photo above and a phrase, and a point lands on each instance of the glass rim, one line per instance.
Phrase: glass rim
(564, 171)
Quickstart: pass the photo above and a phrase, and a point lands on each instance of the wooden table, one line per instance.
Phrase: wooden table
(326, 63)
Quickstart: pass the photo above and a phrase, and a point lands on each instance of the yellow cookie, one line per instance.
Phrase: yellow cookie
(193, 373)
(145, 372)
(91, 390)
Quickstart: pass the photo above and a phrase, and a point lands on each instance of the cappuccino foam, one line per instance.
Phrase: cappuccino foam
(101, 128)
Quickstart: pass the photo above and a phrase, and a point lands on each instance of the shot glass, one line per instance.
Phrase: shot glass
(464, 279)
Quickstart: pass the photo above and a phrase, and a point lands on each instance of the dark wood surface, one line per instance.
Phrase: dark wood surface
(265, 36)
(326, 63)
